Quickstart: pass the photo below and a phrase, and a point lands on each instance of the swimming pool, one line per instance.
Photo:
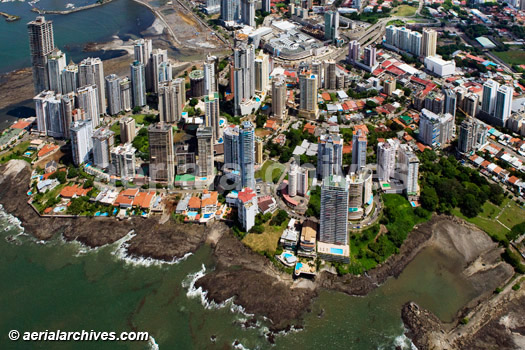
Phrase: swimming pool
(207, 216)
(336, 251)
(298, 266)
(287, 255)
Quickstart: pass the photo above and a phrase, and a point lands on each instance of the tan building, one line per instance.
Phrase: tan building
(127, 129)
(389, 85)
(308, 103)
(429, 42)
(258, 151)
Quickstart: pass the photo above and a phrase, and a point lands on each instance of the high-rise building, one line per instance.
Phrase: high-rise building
(403, 38)
(259, 150)
(142, 53)
(428, 42)
(41, 44)
(266, 4)
(161, 153)
(138, 84)
(171, 100)
(391, 36)
(248, 12)
(184, 159)
(247, 208)
(334, 210)
(450, 102)
(212, 114)
(488, 102)
(330, 77)
(157, 57)
(302, 181)
(81, 141)
(359, 144)
(415, 40)
(126, 101)
(205, 151)
(230, 10)
(127, 130)
(503, 108)
(331, 25)
(56, 63)
(360, 195)
(247, 154)
(435, 130)
(386, 159)
(91, 72)
(292, 180)
(279, 97)
(389, 85)
(370, 53)
(210, 75)
(354, 51)
(308, 104)
(231, 148)
(103, 140)
(87, 100)
(244, 74)
(262, 74)
(165, 72)
(69, 77)
(52, 119)
(123, 161)
(197, 83)
(113, 90)
(67, 104)
(470, 104)
(408, 169)
(316, 67)
(472, 135)
(329, 155)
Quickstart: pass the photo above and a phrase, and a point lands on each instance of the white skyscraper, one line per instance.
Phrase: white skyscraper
(50, 115)
(244, 74)
(329, 155)
(503, 104)
(157, 57)
(87, 100)
(210, 75)
(69, 77)
(56, 63)
(138, 84)
(142, 53)
(81, 141)
(354, 49)
(408, 169)
(292, 180)
(125, 94)
(248, 12)
(172, 98)
(488, 103)
(386, 159)
(247, 154)
(359, 144)
(91, 71)
(123, 161)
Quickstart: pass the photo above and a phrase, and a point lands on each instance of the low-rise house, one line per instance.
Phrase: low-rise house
(290, 236)
(74, 191)
(47, 185)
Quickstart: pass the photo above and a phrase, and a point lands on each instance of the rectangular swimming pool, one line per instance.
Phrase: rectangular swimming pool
(336, 251)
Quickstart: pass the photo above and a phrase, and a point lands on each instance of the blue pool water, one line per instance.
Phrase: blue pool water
(257, 99)
(298, 266)
(287, 255)
(336, 250)
(207, 216)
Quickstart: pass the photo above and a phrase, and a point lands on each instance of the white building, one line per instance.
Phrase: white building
(247, 208)
(87, 100)
(103, 140)
(123, 161)
(386, 159)
(81, 141)
(440, 67)
(91, 72)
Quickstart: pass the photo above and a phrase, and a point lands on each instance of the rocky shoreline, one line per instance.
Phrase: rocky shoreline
(250, 278)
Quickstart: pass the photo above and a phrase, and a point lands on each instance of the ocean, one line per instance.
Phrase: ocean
(123, 18)
(66, 286)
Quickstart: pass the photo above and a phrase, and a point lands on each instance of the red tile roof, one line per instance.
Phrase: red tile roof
(246, 195)
(22, 124)
(46, 150)
(75, 190)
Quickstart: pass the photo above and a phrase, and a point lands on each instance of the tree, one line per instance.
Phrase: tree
(278, 219)
(429, 198)
(194, 102)
(470, 206)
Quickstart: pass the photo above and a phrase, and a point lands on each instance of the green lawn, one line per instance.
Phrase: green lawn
(139, 118)
(511, 216)
(511, 56)
(270, 171)
(266, 241)
(20, 149)
(404, 11)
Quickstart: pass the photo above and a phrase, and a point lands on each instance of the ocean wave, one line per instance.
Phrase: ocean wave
(153, 344)
(403, 342)
(121, 253)
(237, 345)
